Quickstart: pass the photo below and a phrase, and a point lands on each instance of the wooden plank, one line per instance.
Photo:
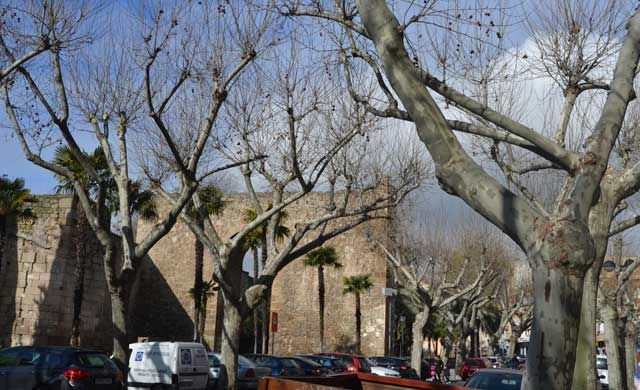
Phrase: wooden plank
(357, 381)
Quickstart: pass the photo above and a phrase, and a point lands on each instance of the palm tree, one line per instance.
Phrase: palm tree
(320, 258)
(204, 291)
(13, 197)
(356, 285)
(211, 199)
(141, 204)
(254, 240)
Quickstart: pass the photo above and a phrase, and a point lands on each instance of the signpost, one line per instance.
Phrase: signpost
(274, 329)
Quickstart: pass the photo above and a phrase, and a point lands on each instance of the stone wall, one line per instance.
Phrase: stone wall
(295, 295)
(37, 280)
(38, 277)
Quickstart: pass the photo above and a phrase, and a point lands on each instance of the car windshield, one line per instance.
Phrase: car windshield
(601, 363)
(288, 363)
(243, 361)
(214, 361)
(495, 381)
(364, 363)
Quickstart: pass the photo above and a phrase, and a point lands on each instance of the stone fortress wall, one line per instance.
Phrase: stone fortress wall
(37, 278)
(39, 263)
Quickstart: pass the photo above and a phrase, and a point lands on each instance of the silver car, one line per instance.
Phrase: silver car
(248, 373)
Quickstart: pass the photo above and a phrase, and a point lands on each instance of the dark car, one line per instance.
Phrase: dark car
(470, 366)
(57, 368)
(335, 365)
(248, 373)
(495, 379)
(354, 363)
(310, 367)
(280, 366)
(397, 364)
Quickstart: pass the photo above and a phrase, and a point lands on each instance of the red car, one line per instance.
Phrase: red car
(470, 366)
(354, 363)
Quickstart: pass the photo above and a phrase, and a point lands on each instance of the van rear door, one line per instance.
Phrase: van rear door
(193, 367)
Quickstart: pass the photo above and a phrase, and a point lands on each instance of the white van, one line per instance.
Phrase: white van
(168, 365)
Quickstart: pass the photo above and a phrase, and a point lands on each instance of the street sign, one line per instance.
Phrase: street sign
(274, 322)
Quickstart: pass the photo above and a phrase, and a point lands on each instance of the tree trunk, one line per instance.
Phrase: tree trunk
(266, 301)
(256, 311)
(203, 317)
(118, 307)
(3, 240)
(217, 337)
(513, 341)
(494, 343)
(461, 351)
(615, 353)
(630, 337)
(358, 325)
(78, 288)
(417, 335)
(585, 374)
(231, 341)
(198, 284)
(554, 334)
(321, 305)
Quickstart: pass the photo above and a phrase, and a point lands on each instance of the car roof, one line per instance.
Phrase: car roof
(342, 354)
(500, 371)
(54, 348)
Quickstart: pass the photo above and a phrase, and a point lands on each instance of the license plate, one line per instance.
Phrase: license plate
(103, 381)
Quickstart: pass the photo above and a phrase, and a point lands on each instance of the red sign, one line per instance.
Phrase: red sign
(274, 322)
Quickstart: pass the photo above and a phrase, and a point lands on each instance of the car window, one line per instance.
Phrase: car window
(9, 357)
(214, 361)
(495, 381)
(601, 363)
(94, 360)
(28, 357)
(289, 363)
(55, 359)
(307, 362)
(364, 363)
(268, 361)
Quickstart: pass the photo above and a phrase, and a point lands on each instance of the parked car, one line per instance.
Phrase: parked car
(384, 371)
(254, 357)
(470, 366)
(248, 373)
(336, 365)
(164, 364)
(310, 367)
(400, 365)
(27, 368)
(281, 366)
(494, 361)
(495, 379)
(603, 371)
(354, 363)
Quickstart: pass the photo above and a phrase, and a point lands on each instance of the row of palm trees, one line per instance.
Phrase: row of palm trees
(358, 284)
(14, 196)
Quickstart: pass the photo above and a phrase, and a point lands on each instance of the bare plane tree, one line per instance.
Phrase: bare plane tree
(314, 139)
(561, 240)
(616, 303)
(112, 92)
